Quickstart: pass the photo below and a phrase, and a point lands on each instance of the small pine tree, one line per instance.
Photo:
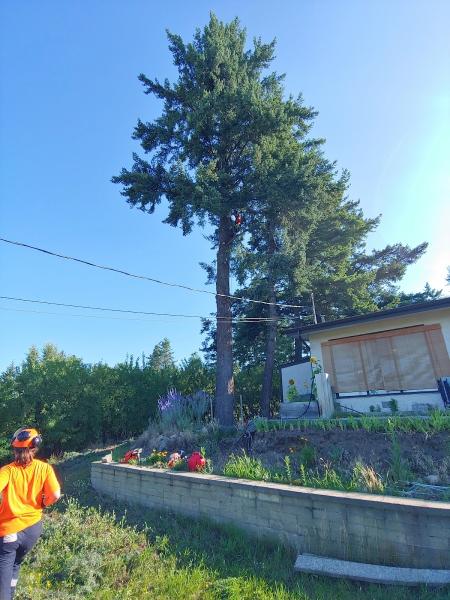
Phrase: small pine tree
(162, 356)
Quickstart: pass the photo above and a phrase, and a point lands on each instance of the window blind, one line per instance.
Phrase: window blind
(411, 358)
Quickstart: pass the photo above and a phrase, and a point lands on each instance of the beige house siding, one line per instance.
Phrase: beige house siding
(409, 402)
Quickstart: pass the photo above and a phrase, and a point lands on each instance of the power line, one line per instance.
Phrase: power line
(145, 277)
(138, 312)
(66, 314)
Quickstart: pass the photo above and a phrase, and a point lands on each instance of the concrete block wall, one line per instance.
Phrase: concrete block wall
(359, 527)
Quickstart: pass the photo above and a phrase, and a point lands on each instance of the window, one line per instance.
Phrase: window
(412, 358)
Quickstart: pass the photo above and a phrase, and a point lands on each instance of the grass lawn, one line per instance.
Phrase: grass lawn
(92, 549)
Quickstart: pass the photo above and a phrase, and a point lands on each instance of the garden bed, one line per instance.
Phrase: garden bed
(368, 455)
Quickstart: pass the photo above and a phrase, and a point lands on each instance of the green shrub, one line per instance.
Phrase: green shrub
(307, 455)
(393, 405)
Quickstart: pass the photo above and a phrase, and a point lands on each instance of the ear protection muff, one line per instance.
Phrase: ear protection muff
(26, 437)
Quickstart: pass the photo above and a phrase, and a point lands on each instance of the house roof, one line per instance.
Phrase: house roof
(374, 316)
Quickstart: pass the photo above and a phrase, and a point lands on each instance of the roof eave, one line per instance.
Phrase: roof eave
(375, 316)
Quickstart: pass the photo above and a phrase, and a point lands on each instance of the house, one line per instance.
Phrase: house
(369, 361)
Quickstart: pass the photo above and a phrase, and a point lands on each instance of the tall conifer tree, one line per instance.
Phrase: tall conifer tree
(202, 148)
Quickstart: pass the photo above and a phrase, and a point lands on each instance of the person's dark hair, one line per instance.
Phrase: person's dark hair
(23, 456)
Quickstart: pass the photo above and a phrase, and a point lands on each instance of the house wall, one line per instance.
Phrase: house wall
(301, 373)
(419, 402)
(359, 527)
(405, 402)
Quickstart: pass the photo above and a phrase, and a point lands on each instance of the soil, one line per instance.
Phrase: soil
(422, 455)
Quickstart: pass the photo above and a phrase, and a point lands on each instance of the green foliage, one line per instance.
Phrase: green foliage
(249, 384)
(399, 471)
(5, 451)
(162, 356)
(393, 405)
(156, 459)
(243, 466)
(204, 147)
(76, 405)
(292, 394)
(288, 469)
(307, 455)
(329, 479)
(396, 298)
(177, 411)
(365, 479)
(437, 421)
(193, 375)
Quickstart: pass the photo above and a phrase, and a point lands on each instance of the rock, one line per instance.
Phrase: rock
(432, 479)
(162, 443)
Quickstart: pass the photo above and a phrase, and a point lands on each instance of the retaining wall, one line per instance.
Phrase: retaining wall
(359, 527)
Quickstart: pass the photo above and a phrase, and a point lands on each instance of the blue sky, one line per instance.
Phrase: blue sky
(377, 72)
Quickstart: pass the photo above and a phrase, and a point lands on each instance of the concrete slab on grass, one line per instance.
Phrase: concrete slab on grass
(331, 567)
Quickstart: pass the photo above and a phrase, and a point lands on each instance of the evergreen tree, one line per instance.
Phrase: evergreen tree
(162, 356)
(202, 151)
(293, 186)
(398, 298)
(328, 257)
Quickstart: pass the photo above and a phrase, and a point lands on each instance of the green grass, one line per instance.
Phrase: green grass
(437, 421)
(243, 466)
(362, 479)
(94, 549)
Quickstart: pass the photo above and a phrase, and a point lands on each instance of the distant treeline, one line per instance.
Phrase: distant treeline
(78, 405)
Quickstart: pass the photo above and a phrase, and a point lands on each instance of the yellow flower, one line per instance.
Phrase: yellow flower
(313, 360)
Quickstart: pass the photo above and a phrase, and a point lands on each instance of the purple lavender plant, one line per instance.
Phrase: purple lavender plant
(171, 401)
(182, 412)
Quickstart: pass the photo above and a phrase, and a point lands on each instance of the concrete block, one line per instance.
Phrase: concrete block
(319, 565)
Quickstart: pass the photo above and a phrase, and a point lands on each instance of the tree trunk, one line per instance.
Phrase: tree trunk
(270, 355)
(224, 368)
(271, 341)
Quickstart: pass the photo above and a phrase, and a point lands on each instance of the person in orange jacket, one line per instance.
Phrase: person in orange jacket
(27, 486)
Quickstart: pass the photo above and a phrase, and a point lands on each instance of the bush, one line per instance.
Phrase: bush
(182, 412)
(76, 405)
(307, 455)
